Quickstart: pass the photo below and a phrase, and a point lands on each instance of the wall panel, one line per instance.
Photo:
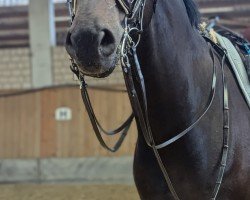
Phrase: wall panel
(28, 128)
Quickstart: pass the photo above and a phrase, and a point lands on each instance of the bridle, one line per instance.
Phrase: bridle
(133, 28)
(129, 8)
(127, 40)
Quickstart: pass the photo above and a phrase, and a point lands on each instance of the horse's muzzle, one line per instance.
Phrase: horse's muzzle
(94, 50)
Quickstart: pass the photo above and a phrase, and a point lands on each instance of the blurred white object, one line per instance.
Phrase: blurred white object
(63, 114)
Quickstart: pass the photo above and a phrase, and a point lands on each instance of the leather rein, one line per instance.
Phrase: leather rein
(133, 28)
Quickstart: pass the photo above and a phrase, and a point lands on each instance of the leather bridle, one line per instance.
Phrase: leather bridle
(133, 28)
(129, 8)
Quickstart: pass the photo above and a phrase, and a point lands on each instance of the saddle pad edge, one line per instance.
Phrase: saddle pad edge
(236, 61)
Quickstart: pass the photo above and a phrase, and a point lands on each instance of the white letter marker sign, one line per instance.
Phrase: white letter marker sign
(63, 114)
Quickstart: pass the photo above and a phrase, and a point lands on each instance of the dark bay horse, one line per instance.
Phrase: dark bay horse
(177, 68)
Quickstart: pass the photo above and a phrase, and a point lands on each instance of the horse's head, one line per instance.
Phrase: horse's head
(93, 39)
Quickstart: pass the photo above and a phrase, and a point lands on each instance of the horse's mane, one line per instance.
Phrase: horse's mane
(193, 12)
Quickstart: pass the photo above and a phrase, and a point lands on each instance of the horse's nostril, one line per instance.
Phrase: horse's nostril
(107, 38)
(107, 43)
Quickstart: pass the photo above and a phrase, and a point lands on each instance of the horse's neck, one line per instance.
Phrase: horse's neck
(177, 71)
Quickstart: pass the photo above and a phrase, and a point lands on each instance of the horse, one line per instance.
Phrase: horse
(177, 67)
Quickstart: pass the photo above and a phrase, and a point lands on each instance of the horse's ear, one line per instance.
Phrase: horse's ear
(193, 12)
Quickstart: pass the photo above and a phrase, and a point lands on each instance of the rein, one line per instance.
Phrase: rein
(133, 27)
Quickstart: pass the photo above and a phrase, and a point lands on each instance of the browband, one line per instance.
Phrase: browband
(127, 10)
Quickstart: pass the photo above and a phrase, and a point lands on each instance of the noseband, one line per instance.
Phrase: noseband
(133, 28)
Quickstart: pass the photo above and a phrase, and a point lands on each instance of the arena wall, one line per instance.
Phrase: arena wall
(15, 69)
(28, 128)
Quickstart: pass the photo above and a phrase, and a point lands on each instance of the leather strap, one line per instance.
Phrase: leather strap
(226, 132)
(130, 12)
(71, 11)
(74, 6)
(207, 107)
(124, 6)
(142, 116)
(123, 129)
